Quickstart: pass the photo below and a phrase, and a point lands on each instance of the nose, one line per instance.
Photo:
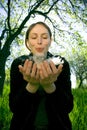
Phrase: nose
(39, 40)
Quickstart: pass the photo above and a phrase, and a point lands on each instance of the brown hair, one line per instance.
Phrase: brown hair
(33, 25)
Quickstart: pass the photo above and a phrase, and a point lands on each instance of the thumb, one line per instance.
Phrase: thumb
(20, 68)
(60, 67)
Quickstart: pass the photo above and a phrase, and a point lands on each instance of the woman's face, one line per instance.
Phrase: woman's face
(39, 40)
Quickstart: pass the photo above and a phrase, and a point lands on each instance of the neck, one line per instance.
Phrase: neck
(38, 58)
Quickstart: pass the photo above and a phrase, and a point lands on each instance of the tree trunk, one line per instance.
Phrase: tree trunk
(3, 57)
(80, 84)
(2, 77)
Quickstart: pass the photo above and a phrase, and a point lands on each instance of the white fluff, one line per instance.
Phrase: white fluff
(57, 60)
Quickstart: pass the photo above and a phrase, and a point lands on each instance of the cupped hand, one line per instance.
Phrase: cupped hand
(49, 73)
(30, 72)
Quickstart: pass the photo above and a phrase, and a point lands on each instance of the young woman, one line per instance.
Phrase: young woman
(40, 92)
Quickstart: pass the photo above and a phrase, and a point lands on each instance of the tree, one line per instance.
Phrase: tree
(18, 13)
(80, 69)
(78, 61)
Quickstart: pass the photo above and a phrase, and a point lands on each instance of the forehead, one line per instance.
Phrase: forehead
(39, 29)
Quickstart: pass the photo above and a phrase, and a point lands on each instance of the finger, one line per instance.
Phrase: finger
(34, 69)
(47, 67)
(25, 65)
(53, 67)
(28, 67)
(20, 68)
(44, 71)
(37, 74)
(41, 74)
(60, 68)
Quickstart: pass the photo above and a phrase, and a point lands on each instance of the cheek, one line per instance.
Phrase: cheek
(47, 44)
(32, 44)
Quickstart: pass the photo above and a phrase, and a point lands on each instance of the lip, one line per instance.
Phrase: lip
(39, 49)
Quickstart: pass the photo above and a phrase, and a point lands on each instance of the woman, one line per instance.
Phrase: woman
(40, 91)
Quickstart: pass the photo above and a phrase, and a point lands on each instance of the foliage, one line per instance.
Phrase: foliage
(5, 114)
(78, 115)
(78, 61)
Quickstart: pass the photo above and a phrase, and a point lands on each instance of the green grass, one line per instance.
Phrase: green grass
(78, 115)
(5, 114)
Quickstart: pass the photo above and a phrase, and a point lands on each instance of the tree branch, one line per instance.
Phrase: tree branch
(2, 35)
(54, 3)
(35, 6)
(8, 19)
(73, 7)
(3, 7)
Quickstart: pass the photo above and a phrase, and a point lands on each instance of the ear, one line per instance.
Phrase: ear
(27, 44)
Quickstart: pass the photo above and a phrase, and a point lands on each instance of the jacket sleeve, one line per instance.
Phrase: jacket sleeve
(62, 98)
(20, 100)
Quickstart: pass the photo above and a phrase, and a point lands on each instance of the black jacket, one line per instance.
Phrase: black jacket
(24, 104)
